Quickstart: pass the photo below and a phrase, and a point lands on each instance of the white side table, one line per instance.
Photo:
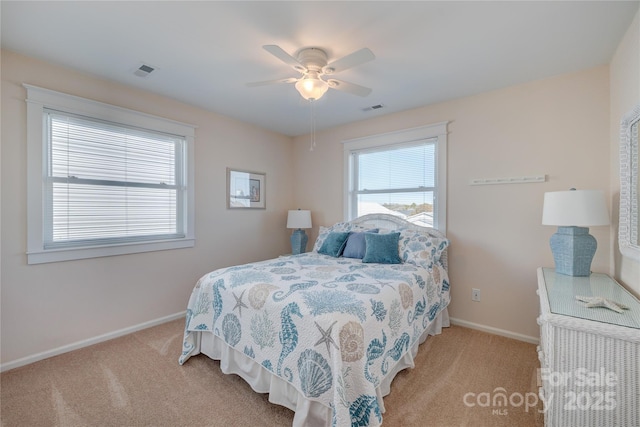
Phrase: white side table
(590, 357)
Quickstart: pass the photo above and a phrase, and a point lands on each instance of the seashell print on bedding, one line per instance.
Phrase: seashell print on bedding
(280, 314)
(231, 329)
(351, 342)
(406, 295)
(435, 272)
(315, 373)
(259, 294)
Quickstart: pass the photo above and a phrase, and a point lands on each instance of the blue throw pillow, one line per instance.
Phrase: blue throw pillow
(355, 247)
(382, 248)
(334, 243)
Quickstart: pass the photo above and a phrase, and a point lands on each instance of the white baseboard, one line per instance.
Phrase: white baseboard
(495, 331)
(111, 335)
(85, 343)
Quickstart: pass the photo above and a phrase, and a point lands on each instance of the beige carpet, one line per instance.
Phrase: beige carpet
(136, 381)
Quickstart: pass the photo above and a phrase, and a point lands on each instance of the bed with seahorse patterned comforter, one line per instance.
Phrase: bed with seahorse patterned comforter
(328, 333)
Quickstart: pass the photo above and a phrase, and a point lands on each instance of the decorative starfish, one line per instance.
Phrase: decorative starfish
(326, 337)
(239, 303)
(602, 302)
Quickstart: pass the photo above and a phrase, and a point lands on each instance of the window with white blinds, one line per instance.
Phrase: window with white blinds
(104, 180)
(401, 173)
(396, 180)
(108, 183)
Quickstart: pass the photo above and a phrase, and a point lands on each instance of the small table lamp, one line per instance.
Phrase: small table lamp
(299, 219)
(573, 212)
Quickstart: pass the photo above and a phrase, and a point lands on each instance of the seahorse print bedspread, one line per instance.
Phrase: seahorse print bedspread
(332, 327)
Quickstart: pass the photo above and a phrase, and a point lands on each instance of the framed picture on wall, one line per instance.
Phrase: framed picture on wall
(246, 189)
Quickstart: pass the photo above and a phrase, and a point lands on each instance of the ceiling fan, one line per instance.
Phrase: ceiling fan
(312, 63)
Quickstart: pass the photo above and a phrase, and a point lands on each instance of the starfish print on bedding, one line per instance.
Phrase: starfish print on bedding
(239, 303)
(602, 302)
(326, 337)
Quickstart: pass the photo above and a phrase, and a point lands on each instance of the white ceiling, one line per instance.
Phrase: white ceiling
(426, 51)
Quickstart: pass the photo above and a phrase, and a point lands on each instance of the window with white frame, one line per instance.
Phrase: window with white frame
(104, 180)
(401, 173)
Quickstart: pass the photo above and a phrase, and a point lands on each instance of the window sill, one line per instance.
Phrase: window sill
(57, 255)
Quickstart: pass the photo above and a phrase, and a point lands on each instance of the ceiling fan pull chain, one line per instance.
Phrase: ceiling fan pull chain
(313, 126)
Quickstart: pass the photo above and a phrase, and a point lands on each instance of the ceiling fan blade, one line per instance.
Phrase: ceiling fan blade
(351, 88)
(271, 82)
(279, 53)
(356, 58)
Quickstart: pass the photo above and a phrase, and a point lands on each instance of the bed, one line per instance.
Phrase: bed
(325, 332)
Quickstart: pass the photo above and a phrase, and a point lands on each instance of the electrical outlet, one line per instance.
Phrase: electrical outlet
(475, 294)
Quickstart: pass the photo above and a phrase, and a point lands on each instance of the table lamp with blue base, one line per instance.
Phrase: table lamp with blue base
(573, 212)
(299, 219)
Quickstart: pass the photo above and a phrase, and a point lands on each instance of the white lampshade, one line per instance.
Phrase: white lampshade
(577, 208)
(299, 219)
(311, 88)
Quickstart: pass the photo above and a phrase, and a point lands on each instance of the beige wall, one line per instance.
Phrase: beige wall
(625, 94)
(558, 127)
(48, 306)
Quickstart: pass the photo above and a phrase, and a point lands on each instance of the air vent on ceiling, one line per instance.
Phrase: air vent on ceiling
(143, 70)
(373, 107)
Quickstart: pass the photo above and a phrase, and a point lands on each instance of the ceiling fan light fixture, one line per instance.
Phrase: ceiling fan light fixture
(311, 88)
(312, 63)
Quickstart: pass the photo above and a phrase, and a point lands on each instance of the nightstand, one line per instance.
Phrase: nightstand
(590, 357)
